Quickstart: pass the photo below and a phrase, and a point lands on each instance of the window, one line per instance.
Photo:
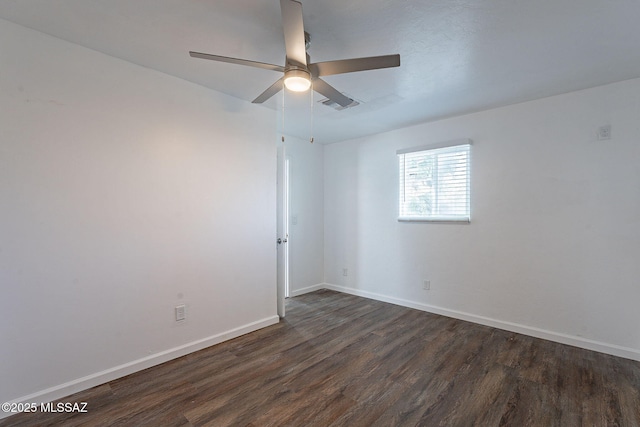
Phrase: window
(435, 182)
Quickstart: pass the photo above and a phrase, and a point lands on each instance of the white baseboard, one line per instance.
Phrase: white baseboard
(613, 349)
(71, 387)
(317, 287)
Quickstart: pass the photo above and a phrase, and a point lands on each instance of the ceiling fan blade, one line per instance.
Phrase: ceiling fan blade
(293, 32)
(342, 66)
(330, 92)
(237, 61)
(272, 90)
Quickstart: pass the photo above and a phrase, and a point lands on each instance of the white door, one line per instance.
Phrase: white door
(282, 229)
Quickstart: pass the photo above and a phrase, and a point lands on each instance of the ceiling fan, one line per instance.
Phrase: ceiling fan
(299, 74)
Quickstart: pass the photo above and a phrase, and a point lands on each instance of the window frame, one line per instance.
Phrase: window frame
(461, 219)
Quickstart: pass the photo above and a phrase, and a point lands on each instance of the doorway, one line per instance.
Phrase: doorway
(282, 200)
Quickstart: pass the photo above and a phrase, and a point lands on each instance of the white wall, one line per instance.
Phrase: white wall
(123, 193)
(306, 220)
(553, 248)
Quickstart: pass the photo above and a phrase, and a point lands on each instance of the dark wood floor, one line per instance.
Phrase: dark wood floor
(341, 360)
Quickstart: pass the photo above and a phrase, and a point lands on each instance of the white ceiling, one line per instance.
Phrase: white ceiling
(456, 56)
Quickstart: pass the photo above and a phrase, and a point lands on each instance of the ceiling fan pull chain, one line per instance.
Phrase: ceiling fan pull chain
(311, 111)
(283, 98)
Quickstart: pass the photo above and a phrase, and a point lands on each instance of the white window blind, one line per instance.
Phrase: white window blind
(435, 183)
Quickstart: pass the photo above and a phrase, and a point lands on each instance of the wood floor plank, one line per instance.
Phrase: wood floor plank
(342, 360)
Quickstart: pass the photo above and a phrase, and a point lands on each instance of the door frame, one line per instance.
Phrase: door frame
(282, 229)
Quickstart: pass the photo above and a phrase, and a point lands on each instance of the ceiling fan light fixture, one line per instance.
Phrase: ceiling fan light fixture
(297, 80)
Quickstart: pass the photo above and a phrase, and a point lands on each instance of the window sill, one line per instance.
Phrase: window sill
(441, 220)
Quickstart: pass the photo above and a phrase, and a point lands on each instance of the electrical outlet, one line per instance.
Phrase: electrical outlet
(345, 272)
(426, 285)
(181, 312)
